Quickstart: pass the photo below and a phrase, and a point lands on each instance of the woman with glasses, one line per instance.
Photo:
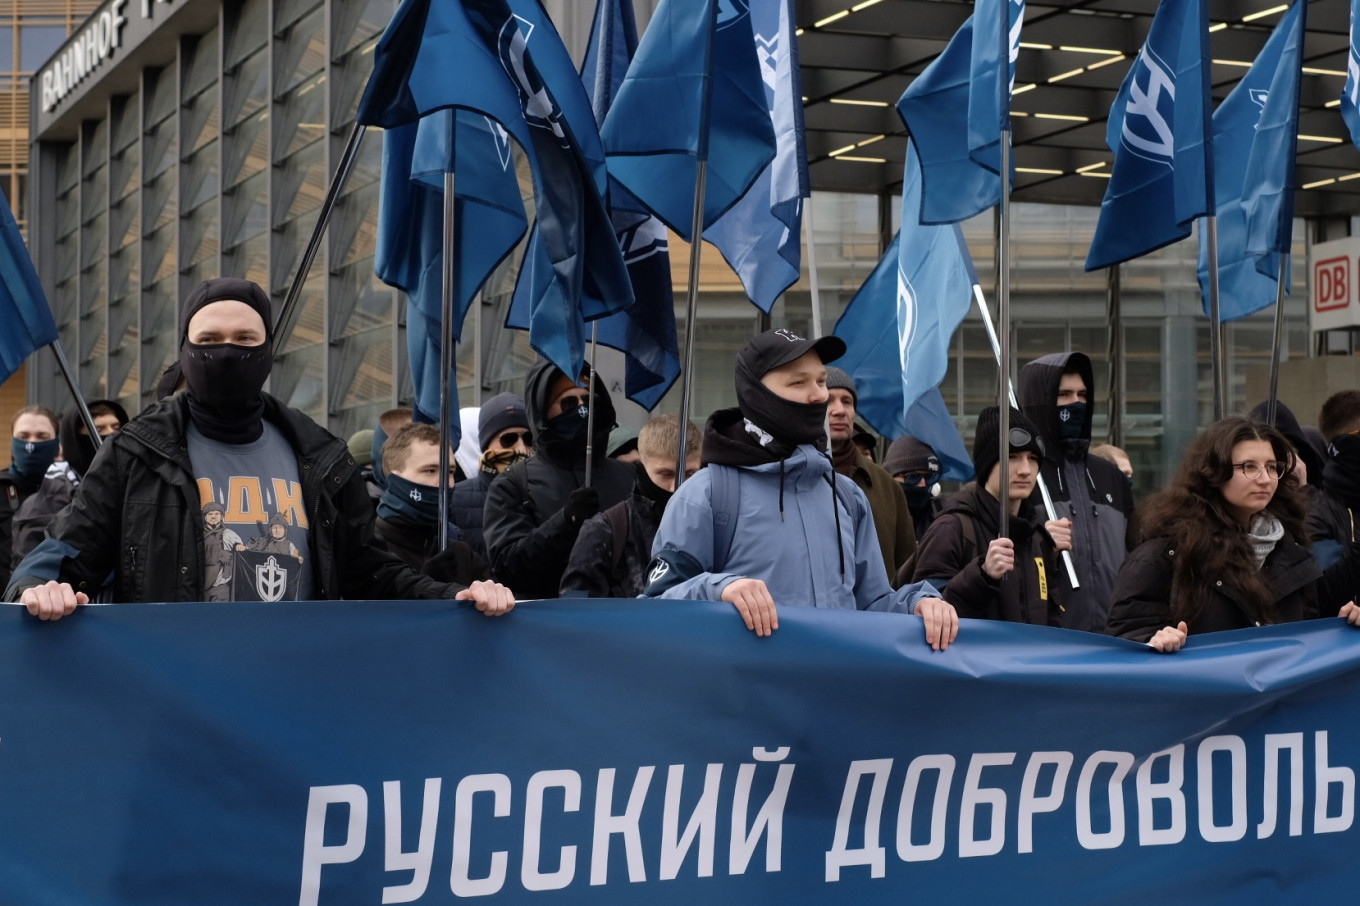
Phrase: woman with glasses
(1226, 546)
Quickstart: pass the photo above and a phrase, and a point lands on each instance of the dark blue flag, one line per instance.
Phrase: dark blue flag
(1254, 153)
(761, 235)
(505, 60)
(24, 312)
(1159, 133)
(1350, 95)
(955, 110)
(693, 92)
(489, 221)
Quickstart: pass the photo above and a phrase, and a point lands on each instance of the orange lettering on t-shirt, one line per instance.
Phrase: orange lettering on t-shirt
(288, 501)
(245, 500)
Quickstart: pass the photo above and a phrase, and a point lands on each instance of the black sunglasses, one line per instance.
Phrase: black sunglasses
(510, 438)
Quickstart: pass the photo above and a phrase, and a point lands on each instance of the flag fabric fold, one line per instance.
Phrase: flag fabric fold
(23, 304)
(955, 110)
(506, 61)
(1350, 94)
(921, 287)
(693, 92)
(761, 235)
(1254, 155)
(1160, 135)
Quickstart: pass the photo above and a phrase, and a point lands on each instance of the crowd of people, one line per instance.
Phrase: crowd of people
(219, 492)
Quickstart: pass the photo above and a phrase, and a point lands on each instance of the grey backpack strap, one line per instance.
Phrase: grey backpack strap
(726, 496)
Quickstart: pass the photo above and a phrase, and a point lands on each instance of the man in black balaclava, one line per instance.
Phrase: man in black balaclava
(136, 530)
(33, 447)
(535, 508)
(1333, 510)
(1056, 393)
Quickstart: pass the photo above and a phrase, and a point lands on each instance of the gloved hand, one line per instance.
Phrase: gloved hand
(582, 503)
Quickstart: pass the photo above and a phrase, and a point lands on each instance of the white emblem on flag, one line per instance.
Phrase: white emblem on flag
(1152, 96)
(271, 580)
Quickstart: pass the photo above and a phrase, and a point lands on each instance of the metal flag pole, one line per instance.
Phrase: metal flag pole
(590, 401)
(1277, 340)
(1114, 346)
(477, 349)
(1215, 320)
(69, 374)
(1011, 398)
(812, 269)
(446, 358)
(691, 309)
(1003, 274)
(288, 314)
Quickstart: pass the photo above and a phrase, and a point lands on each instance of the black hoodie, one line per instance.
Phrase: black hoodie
(1090, 491)
(528, 538)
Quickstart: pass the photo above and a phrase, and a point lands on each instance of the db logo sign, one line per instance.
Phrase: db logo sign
(1332, 283)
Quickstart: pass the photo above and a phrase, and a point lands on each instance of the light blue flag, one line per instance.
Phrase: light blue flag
(645, 331)
(1254, 154)
(1159, 133)
(1350, 95)
(24, 313)
(922, 287)
(761, 236)
(489, 221)
(955, 110)
(693, 92)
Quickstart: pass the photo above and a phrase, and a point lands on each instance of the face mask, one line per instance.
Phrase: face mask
(227, 378)
(917, 497)
(404, 498)
(31, 458)
(494, 462)
(1071, 421)
(564, 436)
(789, 423)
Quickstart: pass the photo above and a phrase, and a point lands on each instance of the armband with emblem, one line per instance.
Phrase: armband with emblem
(668, 569)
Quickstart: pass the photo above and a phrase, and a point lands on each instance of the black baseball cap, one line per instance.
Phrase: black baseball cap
(767, 351)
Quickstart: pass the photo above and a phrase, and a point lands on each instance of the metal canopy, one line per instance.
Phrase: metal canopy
(857, 57)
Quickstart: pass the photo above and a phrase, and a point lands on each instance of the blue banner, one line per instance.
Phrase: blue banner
(623, 751)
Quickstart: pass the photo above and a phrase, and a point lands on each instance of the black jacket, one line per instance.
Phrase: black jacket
(136, 515)
(948, 554)
(418, 547)
(13, 493)
(467, 506)
(592, 568)
(527, 535)
(1090, 491)
(1302, 590)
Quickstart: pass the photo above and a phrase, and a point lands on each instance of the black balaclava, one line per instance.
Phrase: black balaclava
(225, 380)
(29, 459)
(787, 422)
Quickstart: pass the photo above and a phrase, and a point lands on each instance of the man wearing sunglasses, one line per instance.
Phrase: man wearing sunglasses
(536, 507)
(916, 469)
(1056, 394)
(504, 437)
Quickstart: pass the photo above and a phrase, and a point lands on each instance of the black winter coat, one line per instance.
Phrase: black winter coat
(527, 535)
(418, 547)
(1302, 590)
(466, 508)
(945, 555)
(13, 493)
(136, 515)
(592, 568)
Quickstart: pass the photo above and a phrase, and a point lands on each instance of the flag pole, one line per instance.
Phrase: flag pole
(449, 252)
(812, 269)
(477, 347)
(1114, 347)
(1003, 276)
(1215, 319)
(1010, 392)
(283, 325)
(691, 308)
(590, 397)
(1277, 341)
(69, 374)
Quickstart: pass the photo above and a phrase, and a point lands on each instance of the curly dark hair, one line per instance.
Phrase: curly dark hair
(1209, 540)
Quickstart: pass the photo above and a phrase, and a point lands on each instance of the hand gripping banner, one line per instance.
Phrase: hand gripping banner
(633, 751)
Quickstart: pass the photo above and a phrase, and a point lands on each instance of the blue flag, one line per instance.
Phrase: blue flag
(921, 286)
(24, 312)
(1350, 95)
(694, 92)
(761, 236)
(645, 331)
(506, 61)
(1159, 133)
(489, 221)
(1254, 153)
(955, 111)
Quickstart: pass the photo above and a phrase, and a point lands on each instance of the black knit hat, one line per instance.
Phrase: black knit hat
(766, 351)
(986, 443)
(907, 454)
(504, 410)
(221, 288)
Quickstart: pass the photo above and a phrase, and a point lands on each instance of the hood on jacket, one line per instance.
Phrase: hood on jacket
(1287, 423)
(538, 384)
(1037, 391)
(77, 448)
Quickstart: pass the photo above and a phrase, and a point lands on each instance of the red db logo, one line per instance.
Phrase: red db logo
(1332, 284)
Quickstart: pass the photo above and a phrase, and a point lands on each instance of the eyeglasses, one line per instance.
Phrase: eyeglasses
(574, 402)
(510, 438)
(915, 478)
(1252, 470)
(1020, 438)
